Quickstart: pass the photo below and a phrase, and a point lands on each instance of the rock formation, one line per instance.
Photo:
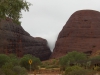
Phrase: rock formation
(80, 33)
(14, 39)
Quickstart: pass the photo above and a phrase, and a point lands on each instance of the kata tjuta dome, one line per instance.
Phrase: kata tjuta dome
(80, 33)
(14, 39)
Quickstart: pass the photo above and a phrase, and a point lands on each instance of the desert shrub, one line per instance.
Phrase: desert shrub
(81, 72)
(7, 66)
(14, 59)
(77, 70)
(72, 68)
(24, 62)
(8, 72)
(71, 58)
(3, 59)
(20, 70)
(10, 69)
(7, 69)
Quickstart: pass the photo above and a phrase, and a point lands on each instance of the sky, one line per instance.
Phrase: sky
(46, 18)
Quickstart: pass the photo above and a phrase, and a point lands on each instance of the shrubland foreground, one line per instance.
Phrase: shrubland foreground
(73, 63)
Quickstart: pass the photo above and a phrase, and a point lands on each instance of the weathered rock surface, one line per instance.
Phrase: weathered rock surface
(80, 33)
(14, 39)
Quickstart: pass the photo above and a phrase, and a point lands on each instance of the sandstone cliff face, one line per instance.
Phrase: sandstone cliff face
(80, 33)
(14, 39)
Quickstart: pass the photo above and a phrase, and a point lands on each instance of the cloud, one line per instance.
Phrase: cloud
(50, 39)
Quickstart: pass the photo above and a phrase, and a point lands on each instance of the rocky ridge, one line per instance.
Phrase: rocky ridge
(14, 39)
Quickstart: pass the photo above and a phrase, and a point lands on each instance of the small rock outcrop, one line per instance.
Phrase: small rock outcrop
(80, 33)
(14, 39)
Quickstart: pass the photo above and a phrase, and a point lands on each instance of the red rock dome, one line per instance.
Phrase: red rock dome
(14, 39)
(80, 33)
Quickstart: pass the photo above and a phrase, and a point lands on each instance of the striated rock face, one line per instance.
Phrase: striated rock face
(14, 39)
(80, 33)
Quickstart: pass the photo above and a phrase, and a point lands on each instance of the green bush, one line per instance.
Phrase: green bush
(8, 72)
(10, 69)
(77, 70)
(72, 68)
(24, 62)
(82, 72)
(20, 70)
(14, 59)
(8, 66)
(3, 59)
(71, 58)
(7, 69)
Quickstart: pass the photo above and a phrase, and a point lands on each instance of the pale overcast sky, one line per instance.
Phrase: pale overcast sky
(46, 18)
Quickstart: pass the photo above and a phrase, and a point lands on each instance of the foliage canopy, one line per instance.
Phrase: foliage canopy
(24, 62)
(76, 70)
(12, 9)
(3, 59)
(72, 58)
